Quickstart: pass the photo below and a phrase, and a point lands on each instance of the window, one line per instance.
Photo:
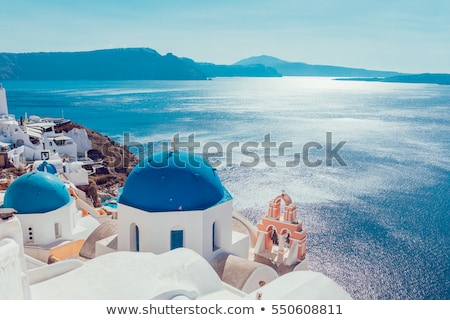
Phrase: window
(176, 239)
(57, 230)
(137, 238)
(215, 242)
(134, 238)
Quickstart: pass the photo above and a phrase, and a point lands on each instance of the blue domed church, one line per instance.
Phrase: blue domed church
(172, 200)
(175, 199)
(46, 210)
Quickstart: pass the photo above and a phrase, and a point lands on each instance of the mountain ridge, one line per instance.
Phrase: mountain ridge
(287, 68)
(117, 64)
(104, 64)
(147, 64)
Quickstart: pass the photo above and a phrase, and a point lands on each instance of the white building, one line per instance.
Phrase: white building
(177, 274)
(47, 212)
(175, 211)
(176, 199)
(38, 137)
(72, 170)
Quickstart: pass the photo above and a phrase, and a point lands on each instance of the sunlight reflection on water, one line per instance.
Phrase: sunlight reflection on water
(378, 226)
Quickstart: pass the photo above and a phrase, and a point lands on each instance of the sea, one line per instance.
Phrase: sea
(367, 163)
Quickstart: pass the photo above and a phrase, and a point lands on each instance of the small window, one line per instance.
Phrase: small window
(137, 239)
(215, 242)
(57, 230)
(134, 238)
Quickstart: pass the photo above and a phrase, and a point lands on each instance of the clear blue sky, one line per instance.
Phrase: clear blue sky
(398, 35)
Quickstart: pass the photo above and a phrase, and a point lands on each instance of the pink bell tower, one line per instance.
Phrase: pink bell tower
(281, 237)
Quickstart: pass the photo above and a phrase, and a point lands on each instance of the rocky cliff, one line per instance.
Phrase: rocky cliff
(113, 64)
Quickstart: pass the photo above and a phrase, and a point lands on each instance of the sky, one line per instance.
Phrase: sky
(411, 36)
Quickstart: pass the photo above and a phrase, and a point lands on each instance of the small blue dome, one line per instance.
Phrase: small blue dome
(36, 192)
(47, 167)
(172, 181)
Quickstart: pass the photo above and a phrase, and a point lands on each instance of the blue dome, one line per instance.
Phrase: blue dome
(47, 167)
(172, 181)
(36, 192)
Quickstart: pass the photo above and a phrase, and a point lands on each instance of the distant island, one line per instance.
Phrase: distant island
(303, 69)
(114, 64)
(117, 64)
(147, 64)
(431, 78)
